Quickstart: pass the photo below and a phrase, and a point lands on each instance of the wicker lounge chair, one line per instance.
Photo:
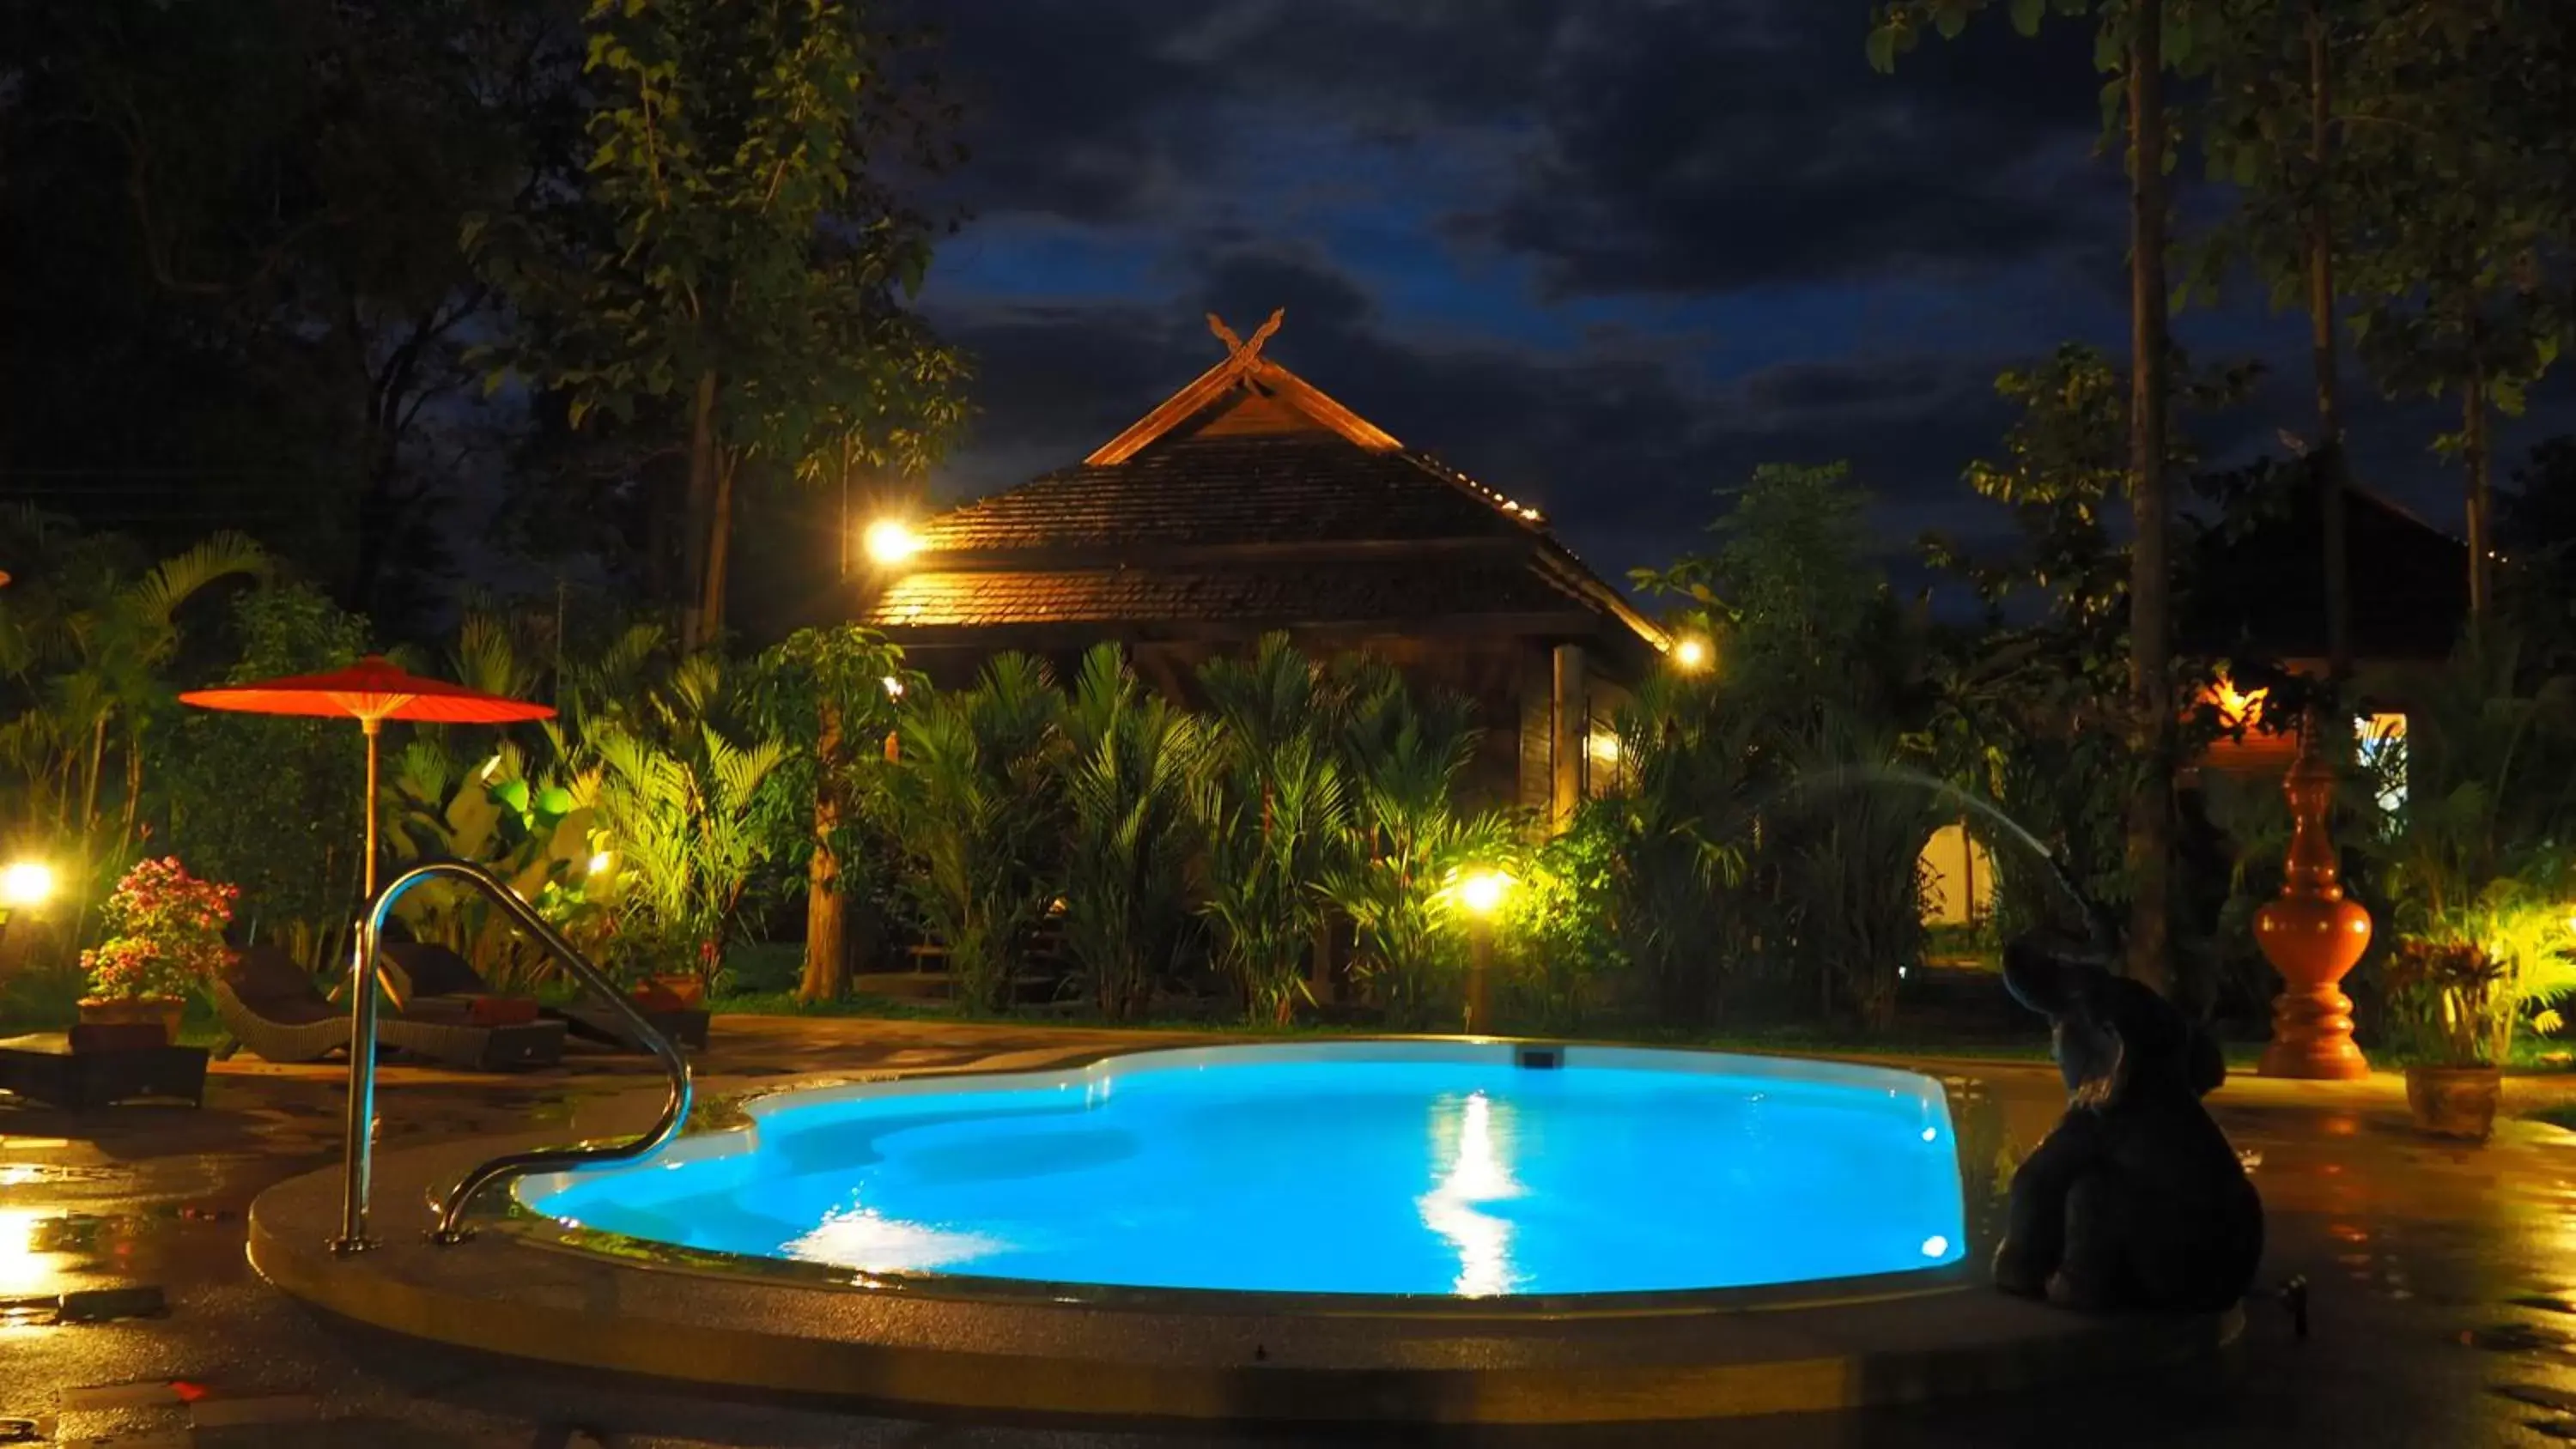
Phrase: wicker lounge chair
(424, 972)
(271, 1006)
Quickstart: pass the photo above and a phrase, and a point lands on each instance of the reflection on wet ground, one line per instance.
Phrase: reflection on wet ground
(2442, 1278)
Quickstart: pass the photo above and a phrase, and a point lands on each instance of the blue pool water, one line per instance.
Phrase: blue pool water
(1417, 1168)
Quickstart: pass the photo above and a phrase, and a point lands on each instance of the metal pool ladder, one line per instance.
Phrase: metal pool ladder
(362, 1063)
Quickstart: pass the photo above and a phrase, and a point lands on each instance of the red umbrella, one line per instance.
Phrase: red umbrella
(370, 691)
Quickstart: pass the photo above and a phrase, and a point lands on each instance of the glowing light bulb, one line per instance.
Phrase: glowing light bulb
(1482, 891)
(890, 541)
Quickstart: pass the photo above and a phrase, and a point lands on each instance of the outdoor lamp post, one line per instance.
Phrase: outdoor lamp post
(1481, 892)
(1690, 654)
(24, 885)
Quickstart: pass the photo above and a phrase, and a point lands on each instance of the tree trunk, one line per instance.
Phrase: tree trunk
(827, 955)
(711, 609)
(2327, 462)
(2473, 454)
(2150, 833)
(697, 527)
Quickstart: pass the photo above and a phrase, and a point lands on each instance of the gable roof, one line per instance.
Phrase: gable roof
(1250, 500)
(2264, 590)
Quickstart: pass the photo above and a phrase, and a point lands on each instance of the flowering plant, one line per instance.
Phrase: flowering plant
(166, 933)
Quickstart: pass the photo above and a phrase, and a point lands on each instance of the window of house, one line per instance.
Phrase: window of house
(2380, 741)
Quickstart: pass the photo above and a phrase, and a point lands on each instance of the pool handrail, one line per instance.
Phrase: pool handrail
(363, 977)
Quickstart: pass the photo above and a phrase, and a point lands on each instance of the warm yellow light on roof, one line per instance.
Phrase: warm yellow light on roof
(891, 540)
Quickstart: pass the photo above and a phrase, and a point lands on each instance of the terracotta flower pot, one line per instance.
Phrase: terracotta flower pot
(676, 992)
(2454, 1101)
(161, 1011)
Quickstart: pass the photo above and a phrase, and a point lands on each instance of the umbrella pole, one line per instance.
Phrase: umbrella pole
(362, 1041)
(373, 727)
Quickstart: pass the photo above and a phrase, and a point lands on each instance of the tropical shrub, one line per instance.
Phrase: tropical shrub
(1402, 761)
(272, 804)
(1131, 762)
(1562, 954)
(975, 803)
(1274, 811)
(165, 934)
(685, 846)
(2476, 858)
(541, 839)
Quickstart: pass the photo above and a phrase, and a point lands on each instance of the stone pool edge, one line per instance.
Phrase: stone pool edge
(1207, 1361)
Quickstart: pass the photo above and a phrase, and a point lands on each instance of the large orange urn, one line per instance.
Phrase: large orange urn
(2312, 935)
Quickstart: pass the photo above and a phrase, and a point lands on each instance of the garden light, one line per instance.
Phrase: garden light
(1482, 891)
(26, 883)
(600, 861)
(1691, 654)
(893, 687)
(890, 541)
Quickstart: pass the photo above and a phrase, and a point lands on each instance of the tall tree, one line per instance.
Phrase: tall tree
(740, 254)
(2461, 275)
(829, 694)
(2272, 129)
(246, 219)
(2131, 42)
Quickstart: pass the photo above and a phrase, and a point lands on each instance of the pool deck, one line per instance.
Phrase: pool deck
(2444, 1288)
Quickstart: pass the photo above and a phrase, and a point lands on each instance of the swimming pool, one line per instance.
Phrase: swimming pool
(1465, 1169)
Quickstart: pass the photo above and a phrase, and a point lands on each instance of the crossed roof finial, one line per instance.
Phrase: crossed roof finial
(1241, 350)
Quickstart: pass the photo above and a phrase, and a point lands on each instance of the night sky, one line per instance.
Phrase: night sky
(1604, 255)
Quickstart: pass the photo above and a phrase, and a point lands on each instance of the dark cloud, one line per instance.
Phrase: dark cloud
(1698, 147)
(1606, 255)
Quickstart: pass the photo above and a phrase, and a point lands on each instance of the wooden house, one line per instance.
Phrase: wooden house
(1251, 501)
(2261, 595)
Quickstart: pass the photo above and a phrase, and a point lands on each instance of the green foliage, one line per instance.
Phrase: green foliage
(1274, 811)
(247, 218)
(1766, 847)
(733, 255)
(1556, 923)
(1132, 765)
(681, 823)
(540, 837)
(87, 632)
(976, 805)
(1402, 760)
(274, 804)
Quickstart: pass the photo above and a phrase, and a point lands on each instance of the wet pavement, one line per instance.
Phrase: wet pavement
(2442, 1278)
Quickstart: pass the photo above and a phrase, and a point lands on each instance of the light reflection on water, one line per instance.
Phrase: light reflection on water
(870, 1242)
(1464, 1135)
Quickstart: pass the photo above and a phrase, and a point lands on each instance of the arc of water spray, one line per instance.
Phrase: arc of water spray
(2101, 928)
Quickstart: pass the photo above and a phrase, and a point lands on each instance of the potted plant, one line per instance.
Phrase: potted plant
(165, 941)
(2466, 986)
(2450, 989)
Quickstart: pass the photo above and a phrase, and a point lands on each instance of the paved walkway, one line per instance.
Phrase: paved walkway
(2443, 1278)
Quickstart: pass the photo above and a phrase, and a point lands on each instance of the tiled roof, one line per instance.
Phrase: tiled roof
(1309, 487)
(1342, 592)
(1248, 499)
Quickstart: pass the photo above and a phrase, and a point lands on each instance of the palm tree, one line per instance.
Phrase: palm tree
(83, 640)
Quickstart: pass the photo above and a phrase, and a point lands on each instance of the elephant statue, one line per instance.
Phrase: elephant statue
(2135, 1201)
